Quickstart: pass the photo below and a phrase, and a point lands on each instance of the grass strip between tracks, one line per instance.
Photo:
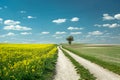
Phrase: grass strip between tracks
(84, 73)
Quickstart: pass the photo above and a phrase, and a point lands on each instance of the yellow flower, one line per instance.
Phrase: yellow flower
(11, 67)
(33, 70)
(4, 68)
(25, 57)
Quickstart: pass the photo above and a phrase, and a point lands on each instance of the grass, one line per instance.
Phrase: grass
(83, 73)
(103, 55)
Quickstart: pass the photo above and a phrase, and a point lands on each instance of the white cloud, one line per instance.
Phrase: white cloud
(22, 11)
(114, 25)
(16, 27)
(30, 17)
(58, 21)
(58, 37)
(75, 19)
(45, 32)
(97, 25)
(74, 28)
(8, 34)
(95, 33)
(60, 32)
(11, 22)
(25, 33)
(107, 17)
(75, 33)
(106, 25)
(117, 16)
(1, 20)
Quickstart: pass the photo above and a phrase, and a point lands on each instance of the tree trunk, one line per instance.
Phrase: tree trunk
(69, 42)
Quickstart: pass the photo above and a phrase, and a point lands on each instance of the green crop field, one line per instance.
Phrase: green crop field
(107, 56)
(27, 61)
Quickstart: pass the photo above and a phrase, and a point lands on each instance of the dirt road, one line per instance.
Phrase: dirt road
(65, 69)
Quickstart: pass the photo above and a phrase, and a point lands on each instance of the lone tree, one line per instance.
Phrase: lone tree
(70, 39)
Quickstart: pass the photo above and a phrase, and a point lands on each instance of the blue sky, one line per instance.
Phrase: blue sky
(51, 21)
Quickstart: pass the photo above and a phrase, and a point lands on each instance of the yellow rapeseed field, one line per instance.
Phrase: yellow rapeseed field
(27, 61)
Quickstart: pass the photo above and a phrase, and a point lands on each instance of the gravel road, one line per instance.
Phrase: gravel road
(64, 68)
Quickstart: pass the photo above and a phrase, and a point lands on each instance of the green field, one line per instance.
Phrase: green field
(107, 56)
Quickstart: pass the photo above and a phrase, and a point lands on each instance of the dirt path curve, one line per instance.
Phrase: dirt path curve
(64, 68)
(99, 72)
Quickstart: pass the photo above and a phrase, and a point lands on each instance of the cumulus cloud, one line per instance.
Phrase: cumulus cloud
(114, 25)
(117, 16)
(97, 25)
(30, 17)
(58, 37)
(25, 33)
(45, 32)
(75, 33)
(107, 17)
(75, 19)
(16, 27)
(11, 22)
(95, 33)
(8, 34)
(1, 20)
(58, 21)
(60, 32)
(74, 28)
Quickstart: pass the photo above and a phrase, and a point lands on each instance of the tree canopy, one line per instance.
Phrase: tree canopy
(70, 39)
